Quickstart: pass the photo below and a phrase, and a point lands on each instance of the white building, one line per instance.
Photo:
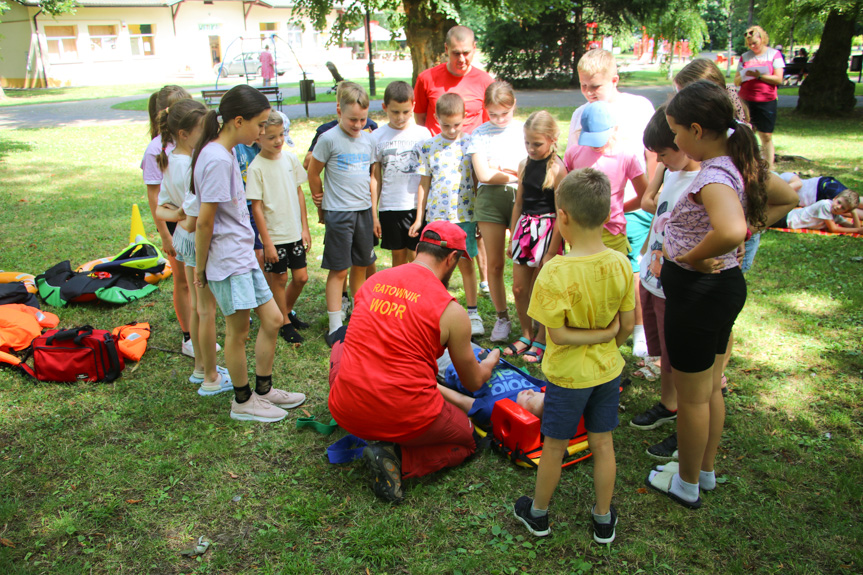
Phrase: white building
(140, 41)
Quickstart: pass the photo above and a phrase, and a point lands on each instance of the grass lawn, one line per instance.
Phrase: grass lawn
(119, 478)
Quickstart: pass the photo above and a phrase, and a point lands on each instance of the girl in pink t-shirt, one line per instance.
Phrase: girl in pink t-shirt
(160, 101)
(224, 249)
(703, 284)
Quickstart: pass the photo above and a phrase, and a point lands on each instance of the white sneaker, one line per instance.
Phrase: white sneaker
(284, 399)
(501, 329)
(347, 306)
(222, 385)
(198, 376)
(188, 349)
(257, 409)
(476, 327)
(483, 286)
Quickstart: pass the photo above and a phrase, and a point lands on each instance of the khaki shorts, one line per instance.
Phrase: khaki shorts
(494, 204)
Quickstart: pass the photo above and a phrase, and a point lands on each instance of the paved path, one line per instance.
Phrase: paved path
(99, 112)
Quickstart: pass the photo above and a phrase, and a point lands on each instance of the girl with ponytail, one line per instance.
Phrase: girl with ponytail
(703, 283)
(160, 101)
(535, 237)
(225, 254)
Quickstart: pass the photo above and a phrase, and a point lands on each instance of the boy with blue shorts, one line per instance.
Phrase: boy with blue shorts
(446, 191)
(346, 152)
(586, 301)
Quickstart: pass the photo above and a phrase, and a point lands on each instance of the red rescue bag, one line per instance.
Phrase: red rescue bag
(77, 354)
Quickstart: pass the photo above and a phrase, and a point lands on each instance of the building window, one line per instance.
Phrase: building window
(294, 36)
(103, 41)
(141, 36)
(268, 29)
(62, 43)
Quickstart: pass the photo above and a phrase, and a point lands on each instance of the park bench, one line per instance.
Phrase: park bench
(273, 94)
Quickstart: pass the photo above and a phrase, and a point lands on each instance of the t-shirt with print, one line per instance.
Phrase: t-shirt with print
(218, 180)
(689, 221)
(176, 180)
(583, 292)
(620, 165)
(347, 178)
(398, 153)
(674, 184)
(757, 90)
(502, 147)
(813, 217)
(450, 195)
(275, 183)
(437, 81)
(245, 154)
(149, 167)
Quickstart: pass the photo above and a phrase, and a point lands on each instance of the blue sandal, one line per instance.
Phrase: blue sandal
(535, 356)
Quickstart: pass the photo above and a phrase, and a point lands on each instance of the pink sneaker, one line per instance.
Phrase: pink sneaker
(284, 399)
(257, 409)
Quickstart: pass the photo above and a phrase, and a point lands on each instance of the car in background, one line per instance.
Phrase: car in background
(243, 64)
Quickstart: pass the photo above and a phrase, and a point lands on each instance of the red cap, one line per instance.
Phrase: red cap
(451, 236)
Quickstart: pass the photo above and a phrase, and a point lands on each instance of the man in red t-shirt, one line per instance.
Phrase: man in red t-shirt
(383, 384)
(456, 75)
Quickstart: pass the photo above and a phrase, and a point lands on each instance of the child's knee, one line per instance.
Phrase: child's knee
(299, 277)
(279, 280)
(601, 443)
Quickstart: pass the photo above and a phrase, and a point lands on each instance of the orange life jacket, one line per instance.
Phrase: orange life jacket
(132, 339)
(20, 324)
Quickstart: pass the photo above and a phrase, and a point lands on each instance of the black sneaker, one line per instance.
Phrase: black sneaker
(604, 532)
(653, 417)
(536, 525)
(386, 466)
(665, 449)
(290, 334)
(296, 321)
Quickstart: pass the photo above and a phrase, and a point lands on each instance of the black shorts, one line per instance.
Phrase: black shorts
(291, 256)
(763, 115)
(700, 310)
(394, 230)
(172, 226)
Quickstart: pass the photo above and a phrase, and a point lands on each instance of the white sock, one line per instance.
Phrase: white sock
(639, 342)
(335, 318)
(707, 480)
(684, 490)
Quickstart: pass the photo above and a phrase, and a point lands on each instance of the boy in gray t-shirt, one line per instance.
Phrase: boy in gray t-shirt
(346, 152)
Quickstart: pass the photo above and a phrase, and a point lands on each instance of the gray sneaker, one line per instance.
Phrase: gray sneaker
(257, 409)
(501, 329)
(476, 327)
(284, 399)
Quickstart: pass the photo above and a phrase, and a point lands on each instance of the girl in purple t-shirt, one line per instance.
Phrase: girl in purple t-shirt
(224, 249)
(703, 284)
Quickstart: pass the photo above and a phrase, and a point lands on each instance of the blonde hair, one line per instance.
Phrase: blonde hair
(852, 197)
(352, 93)
(544, 124)
(760, 32)
(274, 119)
(450, 104)
(598, 61)
(499, 93)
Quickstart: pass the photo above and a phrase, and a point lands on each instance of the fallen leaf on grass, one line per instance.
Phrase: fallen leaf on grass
(151, 304)
(307, 413)
(133, 501)
(137, 364)
(368, 572)
(6, 543)
(233, 475)
(296, 346)
(641, 490)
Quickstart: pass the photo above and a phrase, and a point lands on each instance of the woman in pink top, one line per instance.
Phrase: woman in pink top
(268, 69)
(759, 72)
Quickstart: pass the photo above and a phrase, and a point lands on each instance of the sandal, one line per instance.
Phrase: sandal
(649, 360)
(512, 351)
(661, 482)
(535, 356)
(650, 372)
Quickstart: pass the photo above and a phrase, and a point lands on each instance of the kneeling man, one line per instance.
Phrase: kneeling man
(383, 384)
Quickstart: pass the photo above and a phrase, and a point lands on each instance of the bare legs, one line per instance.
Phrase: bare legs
(494, 237)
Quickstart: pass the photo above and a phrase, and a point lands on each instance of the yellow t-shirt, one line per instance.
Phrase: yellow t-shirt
(582, 292)
(275, 183)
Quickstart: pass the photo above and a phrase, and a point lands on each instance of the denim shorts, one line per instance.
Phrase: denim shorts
(184, 246)
(242, 291)
(564, 408)
(751, 249)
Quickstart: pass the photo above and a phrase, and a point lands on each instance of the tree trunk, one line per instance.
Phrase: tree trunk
(827, 89)
(575, 42)
(425, 31)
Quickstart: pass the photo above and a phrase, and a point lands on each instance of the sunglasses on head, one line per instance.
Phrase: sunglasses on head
(750, 34)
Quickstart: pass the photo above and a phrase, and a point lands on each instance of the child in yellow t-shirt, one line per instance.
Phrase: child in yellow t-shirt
(586, 301)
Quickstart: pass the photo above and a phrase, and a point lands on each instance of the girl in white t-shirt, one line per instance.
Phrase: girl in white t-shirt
(181, 129)
(496, 150)
(159, 103)
(224, 246)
